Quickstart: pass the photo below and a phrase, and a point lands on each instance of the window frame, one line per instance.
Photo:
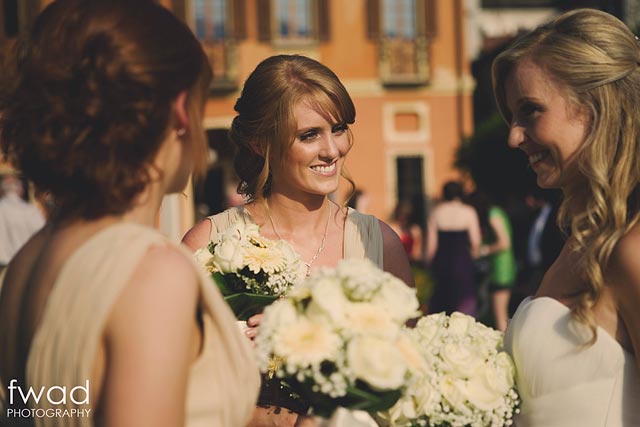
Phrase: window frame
(234, 30)
(268, 29)
(425, 30)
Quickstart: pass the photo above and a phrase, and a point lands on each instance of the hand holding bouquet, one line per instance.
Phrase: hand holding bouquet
(337, 339)
(468, 380)
(250, 271)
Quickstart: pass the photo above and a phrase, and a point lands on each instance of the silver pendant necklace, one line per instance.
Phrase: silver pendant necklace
(322, 242)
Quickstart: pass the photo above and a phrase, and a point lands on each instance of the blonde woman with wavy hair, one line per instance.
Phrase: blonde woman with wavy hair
(570, 93)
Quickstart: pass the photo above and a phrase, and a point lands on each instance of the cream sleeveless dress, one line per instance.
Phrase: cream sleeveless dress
(223, 381)
(362, 240)
(362, 234)
(565, 384)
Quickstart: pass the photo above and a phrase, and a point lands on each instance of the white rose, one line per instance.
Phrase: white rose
(453, 391)
(227, 256)
(460, 324)
(328, 296)
(500, 375)
(426, 397)
(461, 360)
(376, 362)
(490, 339)
(360, 277)
(402, 412)
(279, 314)
(204, 259)
(367, 319)
(430, 327)
(397, 299)
(316, 312)
(480, 395)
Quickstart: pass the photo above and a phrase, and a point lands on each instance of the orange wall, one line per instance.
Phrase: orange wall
(349, 54)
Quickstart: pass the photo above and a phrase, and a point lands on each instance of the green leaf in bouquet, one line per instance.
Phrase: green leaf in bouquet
(229, 283)
(364, 398)
(245, 305)
(220, 281)
(321, 404)
(359, 397)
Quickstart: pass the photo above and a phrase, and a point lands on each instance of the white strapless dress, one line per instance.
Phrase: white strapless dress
(563, 383)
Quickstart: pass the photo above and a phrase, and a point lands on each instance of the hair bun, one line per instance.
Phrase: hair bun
(95, 85)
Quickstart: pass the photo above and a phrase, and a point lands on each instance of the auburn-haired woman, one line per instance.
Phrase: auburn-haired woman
(104, 112)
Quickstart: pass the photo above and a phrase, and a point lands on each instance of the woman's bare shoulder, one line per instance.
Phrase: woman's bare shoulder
(198, 236)
(164, 277)
(624, 259)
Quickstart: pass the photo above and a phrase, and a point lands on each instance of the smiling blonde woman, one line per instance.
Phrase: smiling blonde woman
(569, 92)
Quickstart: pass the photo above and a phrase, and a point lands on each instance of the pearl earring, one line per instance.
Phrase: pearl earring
(181, 131)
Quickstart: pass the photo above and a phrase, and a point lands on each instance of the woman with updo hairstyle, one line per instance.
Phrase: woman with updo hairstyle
(292, 136)
(111, 320)
(265, 120)
(570, 92)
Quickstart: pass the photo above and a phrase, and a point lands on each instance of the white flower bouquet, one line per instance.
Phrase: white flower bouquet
(337, 339)
(250, 271)
(467, 379)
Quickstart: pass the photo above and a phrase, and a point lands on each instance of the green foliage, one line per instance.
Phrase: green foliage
(243, 304)
(360, 396)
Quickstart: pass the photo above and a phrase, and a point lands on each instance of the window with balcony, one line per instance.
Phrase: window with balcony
(293, 22)
(219, 24)
(402, 29)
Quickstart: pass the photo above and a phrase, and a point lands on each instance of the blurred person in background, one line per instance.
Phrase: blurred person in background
(19, 219)
(453, 241)
(544, 242)
(411, 235)
(497, 253)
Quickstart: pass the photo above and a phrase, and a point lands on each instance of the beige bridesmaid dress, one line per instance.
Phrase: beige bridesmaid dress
(223, 381)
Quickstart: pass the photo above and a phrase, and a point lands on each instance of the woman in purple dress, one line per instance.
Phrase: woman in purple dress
(453, 240)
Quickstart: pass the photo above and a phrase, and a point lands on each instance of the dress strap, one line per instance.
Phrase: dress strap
(363, 237)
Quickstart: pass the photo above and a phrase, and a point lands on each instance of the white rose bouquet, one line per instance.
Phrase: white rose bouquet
(468, 380)
(337, 339)
(250, 271)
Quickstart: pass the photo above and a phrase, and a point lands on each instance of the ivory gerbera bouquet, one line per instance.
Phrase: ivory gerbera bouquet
(468, 380)
(250, 271)
(337, 339)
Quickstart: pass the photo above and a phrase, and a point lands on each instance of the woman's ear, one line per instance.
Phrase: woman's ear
(257, 149)
(180, 111)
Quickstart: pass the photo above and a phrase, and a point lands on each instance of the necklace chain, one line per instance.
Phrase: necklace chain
(322, 242)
